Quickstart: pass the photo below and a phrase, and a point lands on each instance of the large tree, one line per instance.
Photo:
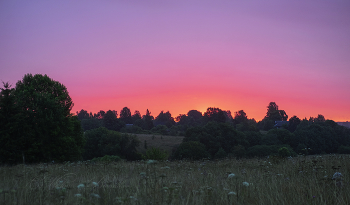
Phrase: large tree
(215, 114)
(9, 123)
(148, 120)
(111, 122)
(164, 118)
(83, 114)
(125, 115)
(273, 114)
(45, 128)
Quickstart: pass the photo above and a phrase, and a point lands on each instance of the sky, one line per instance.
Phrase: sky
(187, 54)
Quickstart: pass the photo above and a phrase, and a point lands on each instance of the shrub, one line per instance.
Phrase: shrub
(191, 150)
(155, 154)
(261, 150)
(106, 158)
(101, 142)
(283, 152)
(220, 154)
(239, 151)
(160, 129)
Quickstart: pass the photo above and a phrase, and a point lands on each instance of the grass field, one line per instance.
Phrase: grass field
(299, 180)
(167, 143)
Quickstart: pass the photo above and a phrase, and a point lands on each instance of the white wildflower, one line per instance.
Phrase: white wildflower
(95, 195)
(337, 176)
(231, 175)
(133, 198)
(245, 184)
(77, 195)
(95, 184)
(81, 186)
(151, 161)
(232, 193)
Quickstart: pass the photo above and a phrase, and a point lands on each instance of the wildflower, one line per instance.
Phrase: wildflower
(95, 195)
(133, 198)
(337, 176)
(95, 184)
(151, 161)
(81, 186)
(231, 176)
(77, 195)
(232, 193)
(245, 184)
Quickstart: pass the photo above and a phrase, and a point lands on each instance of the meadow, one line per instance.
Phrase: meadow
(165, 142)
(298, 180)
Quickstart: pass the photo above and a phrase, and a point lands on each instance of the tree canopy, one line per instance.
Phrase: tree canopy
(45, 128)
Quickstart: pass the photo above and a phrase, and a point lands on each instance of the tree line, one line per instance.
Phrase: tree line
(37, 126)
(216, 133)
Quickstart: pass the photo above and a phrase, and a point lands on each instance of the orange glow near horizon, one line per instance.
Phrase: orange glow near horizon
(253, 109)
(234, 55)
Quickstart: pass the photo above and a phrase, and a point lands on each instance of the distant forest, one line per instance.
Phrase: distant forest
(37, 126)
(217, 134)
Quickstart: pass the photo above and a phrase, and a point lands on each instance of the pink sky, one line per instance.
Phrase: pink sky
(183, 55)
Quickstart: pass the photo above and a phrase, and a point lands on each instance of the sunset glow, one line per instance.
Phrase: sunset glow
(185, 55)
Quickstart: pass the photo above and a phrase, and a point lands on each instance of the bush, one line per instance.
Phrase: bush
(155, 154)
(106, 158)
(220, 154)
(101, 142)
(132, 129)
(261, 150)
(160, 129)
(239, 151)
(283, 152)
(191, 150)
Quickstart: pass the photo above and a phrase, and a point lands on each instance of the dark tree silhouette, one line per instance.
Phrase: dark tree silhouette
(148, 120)
(164, 119)
(136, 116)
(83, 114)
(215, 114)
(293, 123)
(100, 114)
(240, 117)
(47, 129)
(111, 122)
(125, 115)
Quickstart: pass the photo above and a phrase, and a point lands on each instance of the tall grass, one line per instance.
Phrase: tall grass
(299, 180)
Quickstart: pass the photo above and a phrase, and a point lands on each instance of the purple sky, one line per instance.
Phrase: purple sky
(182, 55)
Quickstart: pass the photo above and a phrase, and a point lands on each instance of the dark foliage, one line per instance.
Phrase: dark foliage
(191, 150)
(125, 116)
(164, 119)
(111, 122)
(101, 142)
(216, 135)
(41, 128)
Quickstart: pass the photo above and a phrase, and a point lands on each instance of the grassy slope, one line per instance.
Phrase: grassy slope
(160, 141)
